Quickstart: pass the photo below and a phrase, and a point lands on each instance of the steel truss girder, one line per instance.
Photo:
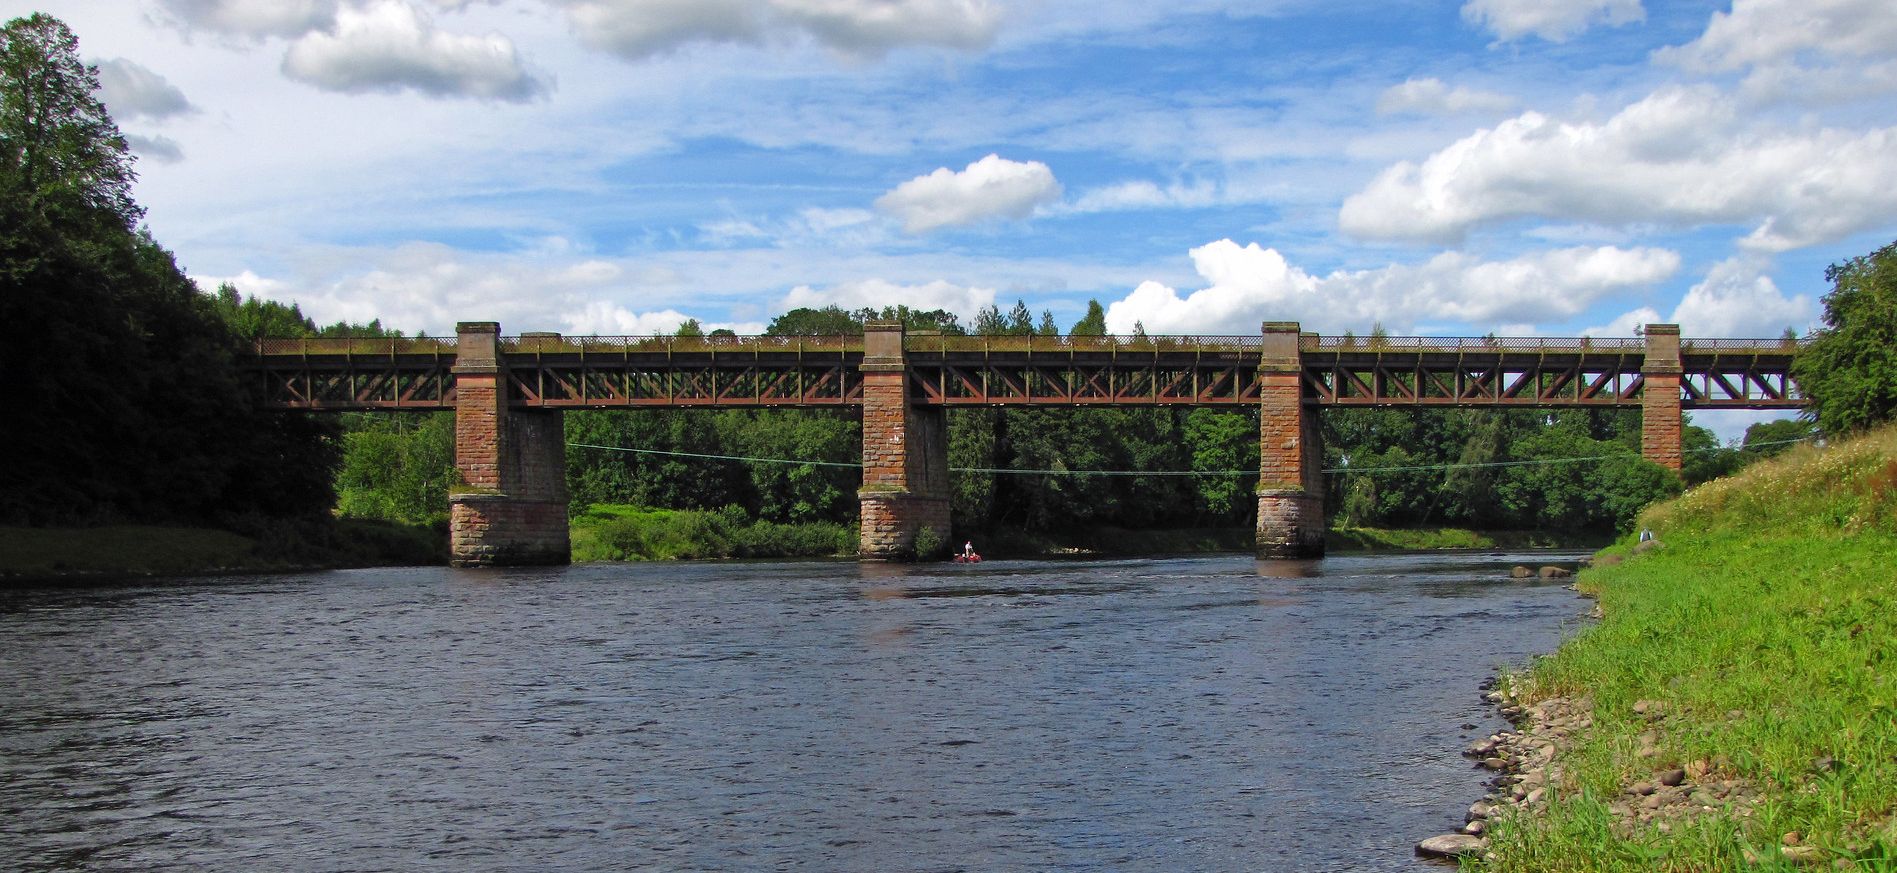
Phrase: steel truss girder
(353, 382)
(1494, 381)
(645, 384)
(1082, 383)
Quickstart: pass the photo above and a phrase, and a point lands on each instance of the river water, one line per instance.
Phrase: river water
(1196, 714)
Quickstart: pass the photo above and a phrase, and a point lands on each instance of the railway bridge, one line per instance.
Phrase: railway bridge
(507, 393)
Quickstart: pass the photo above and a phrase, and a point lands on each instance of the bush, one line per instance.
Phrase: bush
(610, 532)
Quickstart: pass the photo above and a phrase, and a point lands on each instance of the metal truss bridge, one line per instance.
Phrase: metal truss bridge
(554, 372)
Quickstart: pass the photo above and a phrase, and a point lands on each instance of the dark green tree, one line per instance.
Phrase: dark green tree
(1849, 369)
(1094, 323)
(1768, 438)
(128, 404)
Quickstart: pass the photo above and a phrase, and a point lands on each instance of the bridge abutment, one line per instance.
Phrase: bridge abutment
(1661, 418)
(509, 507)
(1291, 453)
(905, 493)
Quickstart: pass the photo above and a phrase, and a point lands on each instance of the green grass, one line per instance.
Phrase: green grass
(610, 532)
(1767, 624)
(119, 551)
(1372, 539)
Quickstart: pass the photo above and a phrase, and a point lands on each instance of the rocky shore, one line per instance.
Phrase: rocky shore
(1526, 761)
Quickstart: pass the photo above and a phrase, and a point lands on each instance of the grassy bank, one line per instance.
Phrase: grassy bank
(121, 551)
(1761, 644)
(1373, 539)
(608, 532)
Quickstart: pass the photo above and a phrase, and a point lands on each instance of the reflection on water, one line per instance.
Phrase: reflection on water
(1189, 714)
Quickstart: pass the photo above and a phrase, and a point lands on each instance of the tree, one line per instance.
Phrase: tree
(1094, 323)
(1768, 438)
(60, 152)
(1849, 369)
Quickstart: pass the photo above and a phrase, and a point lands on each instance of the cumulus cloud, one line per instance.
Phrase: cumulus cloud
(162, 149)
(1766, 31)
(1802, 51)
(1552, 20)
(252, 19)
(1432, 97)
(637, 29)
(878, 293)
(390, 46)
(133, 92)
(993, 187)
(601, 318)
(1736, 299)
(1246, 285)
(1682, 157)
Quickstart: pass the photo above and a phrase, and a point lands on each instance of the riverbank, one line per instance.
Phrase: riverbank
(1736, 706)
(135, 551)
(1378, 539)
(614, 532)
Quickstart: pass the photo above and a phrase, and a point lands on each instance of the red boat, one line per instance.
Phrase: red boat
(966, 559)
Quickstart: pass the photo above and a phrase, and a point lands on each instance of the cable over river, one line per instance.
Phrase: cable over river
(1167, 714)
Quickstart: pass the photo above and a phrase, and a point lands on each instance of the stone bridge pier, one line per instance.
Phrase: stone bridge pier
(905, 493)
(1290, 452)
(509, 507)
(1660, 411)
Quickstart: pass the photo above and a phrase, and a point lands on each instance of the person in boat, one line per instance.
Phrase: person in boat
(968, 550)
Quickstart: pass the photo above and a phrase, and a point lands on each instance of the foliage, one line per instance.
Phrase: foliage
(61, 156)
(609, 532)
(1763, 629)
(1849, 369)
(133, 409)
(396, 467)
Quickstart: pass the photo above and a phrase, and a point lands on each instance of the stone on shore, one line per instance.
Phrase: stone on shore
(1451, 846)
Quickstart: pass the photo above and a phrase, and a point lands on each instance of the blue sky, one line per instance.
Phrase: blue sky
(615, 166)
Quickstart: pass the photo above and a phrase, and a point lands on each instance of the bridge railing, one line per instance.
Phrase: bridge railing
(1349, 343)
(552, 344)
(323, 346)
(1703, 346)
(943, 343)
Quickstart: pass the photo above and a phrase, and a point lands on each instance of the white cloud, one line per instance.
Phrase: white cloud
(1143, 194)
(878, 293)
(602, 318)
(390, 46)
(1766, 31)
(1552, 20)
(869, 28)
(637, 29)
(132, 92)
(1798, 51)
(1737, 299)
(1432, 97)
(993, 187)
(1682, 157)
(253, 19)
(162, 149)
(1248, 285)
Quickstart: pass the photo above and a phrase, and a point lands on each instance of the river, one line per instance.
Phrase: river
(1189, 714)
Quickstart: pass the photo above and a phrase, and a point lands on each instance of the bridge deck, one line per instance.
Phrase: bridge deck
(626, 372)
